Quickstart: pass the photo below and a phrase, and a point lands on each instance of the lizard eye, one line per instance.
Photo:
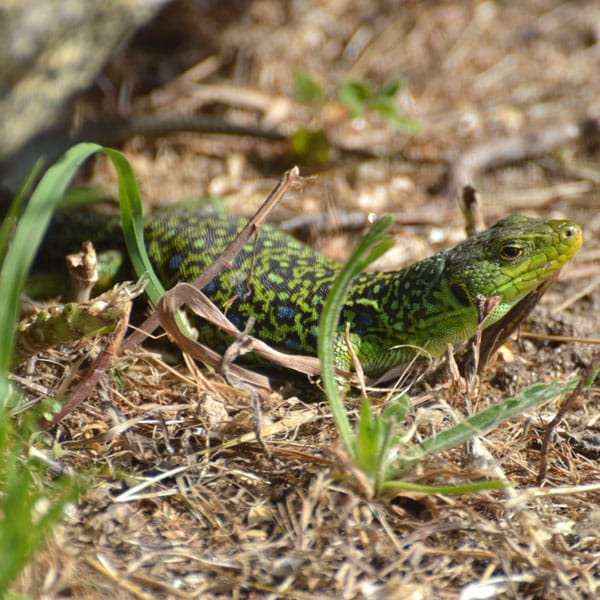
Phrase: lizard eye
(510, 251)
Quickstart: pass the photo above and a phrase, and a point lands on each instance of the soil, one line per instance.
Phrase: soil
(221, 514)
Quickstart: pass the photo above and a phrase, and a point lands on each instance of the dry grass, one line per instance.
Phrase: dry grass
(215, 513)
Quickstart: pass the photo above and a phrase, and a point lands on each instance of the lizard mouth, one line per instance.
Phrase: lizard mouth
(493, 336)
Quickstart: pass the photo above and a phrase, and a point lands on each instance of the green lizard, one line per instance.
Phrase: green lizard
(393, 316)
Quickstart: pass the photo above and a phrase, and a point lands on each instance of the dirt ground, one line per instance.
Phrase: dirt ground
(219, 516)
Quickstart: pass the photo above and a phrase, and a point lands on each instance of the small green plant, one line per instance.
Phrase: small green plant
(374, 446)
(359, 99)
(312, 144)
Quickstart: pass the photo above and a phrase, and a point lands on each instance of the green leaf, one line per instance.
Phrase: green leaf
(448, 490)
(354, 96)
(392, 416)
(368, 439)
(307, 89)
(132, 222)
(397, 410)
(310, 145)
(391, 89)
(386, 107)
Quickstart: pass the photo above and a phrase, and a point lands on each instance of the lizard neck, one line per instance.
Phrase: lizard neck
(395, 314)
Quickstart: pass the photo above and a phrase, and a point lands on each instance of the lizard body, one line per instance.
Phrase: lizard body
(393, 316)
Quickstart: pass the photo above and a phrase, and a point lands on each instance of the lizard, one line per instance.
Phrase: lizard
(393, 316)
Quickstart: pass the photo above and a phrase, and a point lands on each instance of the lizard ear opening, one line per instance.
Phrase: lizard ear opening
(460, 294)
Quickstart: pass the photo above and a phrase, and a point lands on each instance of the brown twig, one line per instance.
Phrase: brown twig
(83, 272)
(360, 373)
(184, 293)
(196, 301)
(488, 155)
(241, 346)
(470, 205)
(485, 306)
(565, 339)
(52, 142)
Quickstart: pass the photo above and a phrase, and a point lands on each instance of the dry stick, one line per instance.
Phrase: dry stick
(223, 261)
(565, 407)
(360, 373)
(322, 222)
(485, 306)
(513, 149)
(470, 205)
(588, 289)
(83, 273)
(241, 346)
(567, 339)
(184, 293)
(52, 142)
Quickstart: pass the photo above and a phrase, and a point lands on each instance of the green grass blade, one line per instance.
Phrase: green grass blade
(372, 246)
(464, 488)
(28, 237)
(21, 527)
(10, 218)
(367, 439)
(482, 422)
(132, 222)
(28, 510)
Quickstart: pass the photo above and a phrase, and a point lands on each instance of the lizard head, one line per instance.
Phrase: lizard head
(509, 260)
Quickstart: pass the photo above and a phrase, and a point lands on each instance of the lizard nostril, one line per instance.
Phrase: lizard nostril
(571, 235)
(571, 231)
